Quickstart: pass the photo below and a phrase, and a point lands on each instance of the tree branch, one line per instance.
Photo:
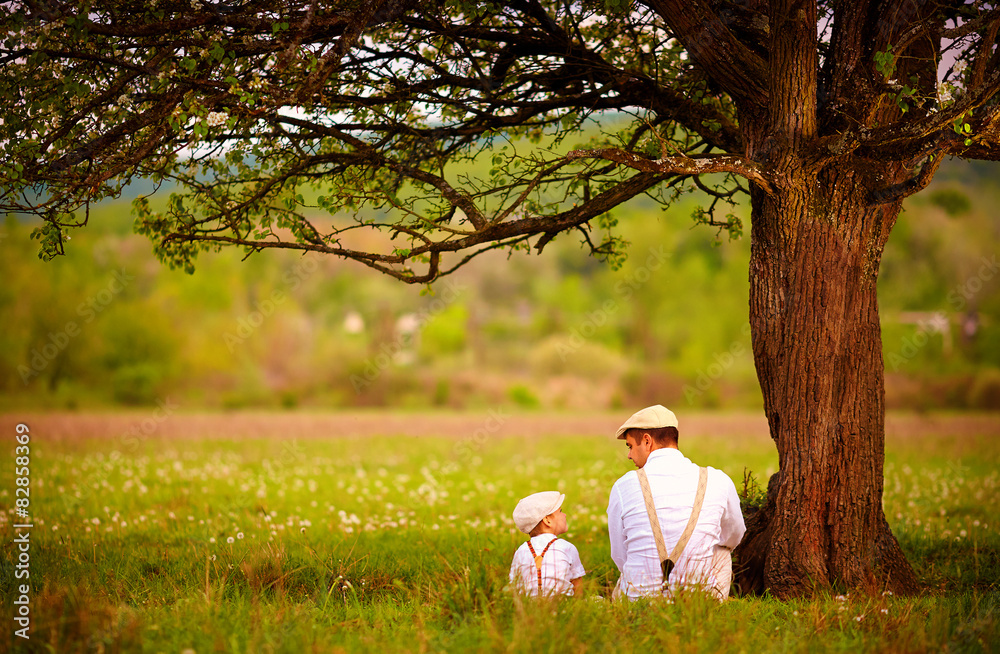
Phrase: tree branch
(913, 185)
(741, 73)
(682, 165)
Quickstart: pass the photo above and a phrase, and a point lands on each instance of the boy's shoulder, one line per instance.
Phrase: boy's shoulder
(563, 544)
(559, 542)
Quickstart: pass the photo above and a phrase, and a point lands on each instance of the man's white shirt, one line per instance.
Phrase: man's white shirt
(673, 480)
(560, 565)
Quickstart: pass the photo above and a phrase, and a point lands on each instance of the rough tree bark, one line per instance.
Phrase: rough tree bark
(815, 253)
(816, 246)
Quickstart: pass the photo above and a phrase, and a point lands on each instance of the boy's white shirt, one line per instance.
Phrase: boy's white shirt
(560, 565)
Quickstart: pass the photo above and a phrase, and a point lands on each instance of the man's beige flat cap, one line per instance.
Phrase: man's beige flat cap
(652, 417)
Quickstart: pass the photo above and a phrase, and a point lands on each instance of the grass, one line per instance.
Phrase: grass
(388, 543)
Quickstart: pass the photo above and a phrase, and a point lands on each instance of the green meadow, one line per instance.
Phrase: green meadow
(213, 534)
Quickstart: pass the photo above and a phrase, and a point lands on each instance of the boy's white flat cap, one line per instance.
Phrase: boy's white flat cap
(652, 417)
(530, 511)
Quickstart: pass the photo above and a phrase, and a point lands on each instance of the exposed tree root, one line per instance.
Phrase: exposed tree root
(892, 572)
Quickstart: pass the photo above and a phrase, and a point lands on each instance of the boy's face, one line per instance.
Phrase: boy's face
(557, 522)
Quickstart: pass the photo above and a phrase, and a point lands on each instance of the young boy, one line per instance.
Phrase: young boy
(546, 564)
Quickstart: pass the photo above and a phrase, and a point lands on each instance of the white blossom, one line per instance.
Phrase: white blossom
(216, 118)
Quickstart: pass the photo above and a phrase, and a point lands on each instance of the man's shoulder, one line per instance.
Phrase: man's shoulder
(630, 477)
(720, 478)
(715, 472)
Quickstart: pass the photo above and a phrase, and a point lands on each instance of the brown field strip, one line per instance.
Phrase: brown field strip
(152, 424)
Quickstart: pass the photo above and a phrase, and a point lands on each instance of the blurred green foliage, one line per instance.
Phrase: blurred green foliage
(954, 202)
(106, 324)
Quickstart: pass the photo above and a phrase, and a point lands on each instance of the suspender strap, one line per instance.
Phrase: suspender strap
(667, 562)
(538, 560)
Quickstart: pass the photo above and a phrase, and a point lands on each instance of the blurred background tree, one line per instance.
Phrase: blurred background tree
(519, 332)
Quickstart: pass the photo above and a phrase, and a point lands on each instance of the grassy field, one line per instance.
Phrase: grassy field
(167, 532)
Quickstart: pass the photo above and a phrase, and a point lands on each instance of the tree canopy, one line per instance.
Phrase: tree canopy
(295, 124)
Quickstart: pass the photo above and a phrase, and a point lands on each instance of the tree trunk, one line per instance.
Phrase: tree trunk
(815, 253)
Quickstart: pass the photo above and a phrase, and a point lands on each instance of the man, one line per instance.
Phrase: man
(706, 560)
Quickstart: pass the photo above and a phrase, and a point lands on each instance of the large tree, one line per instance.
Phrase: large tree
(303, 125)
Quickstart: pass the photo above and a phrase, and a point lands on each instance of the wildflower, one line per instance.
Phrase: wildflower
(212, 539)
(841, 598)
(858, 618)
(124, 524)
(230, 540)
(240, 535)
(884, 611)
